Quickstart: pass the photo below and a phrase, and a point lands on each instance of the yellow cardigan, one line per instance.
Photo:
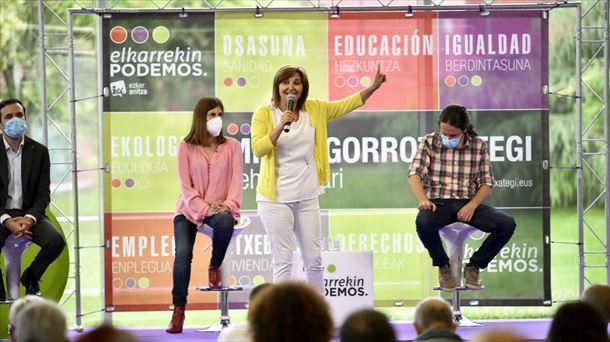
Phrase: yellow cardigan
(320, 113)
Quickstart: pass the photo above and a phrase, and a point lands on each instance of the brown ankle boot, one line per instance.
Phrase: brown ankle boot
(175, 326)
(214, 277)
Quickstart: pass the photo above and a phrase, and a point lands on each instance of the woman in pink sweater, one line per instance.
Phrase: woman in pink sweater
(210, 168)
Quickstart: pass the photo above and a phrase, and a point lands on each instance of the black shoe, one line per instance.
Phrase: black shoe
(30, 283)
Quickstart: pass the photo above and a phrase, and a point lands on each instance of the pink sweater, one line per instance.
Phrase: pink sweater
(204, 181)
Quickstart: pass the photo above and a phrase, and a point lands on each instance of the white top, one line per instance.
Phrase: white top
(297, 177)
(14, 199)
(235, 333)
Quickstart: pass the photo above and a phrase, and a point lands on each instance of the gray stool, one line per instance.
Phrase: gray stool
(225, 319)
(454, 235)
(225, 272)
(13, 250)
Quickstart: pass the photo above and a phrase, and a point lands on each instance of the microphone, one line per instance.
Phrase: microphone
(291, 99)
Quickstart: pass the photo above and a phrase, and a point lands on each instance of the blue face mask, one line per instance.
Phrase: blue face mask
(15, 127)
(450, 143)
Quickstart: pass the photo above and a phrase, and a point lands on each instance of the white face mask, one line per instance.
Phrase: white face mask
(215, 126)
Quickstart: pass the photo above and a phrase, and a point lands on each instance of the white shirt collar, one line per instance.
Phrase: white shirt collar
(7, 146)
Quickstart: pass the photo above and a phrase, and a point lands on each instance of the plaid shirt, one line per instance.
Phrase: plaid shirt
(452, 173)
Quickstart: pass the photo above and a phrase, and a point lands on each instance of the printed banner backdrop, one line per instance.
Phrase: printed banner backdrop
(348, 281)
(403, 49)
(493, 64)
(159, 65)
(248, 52)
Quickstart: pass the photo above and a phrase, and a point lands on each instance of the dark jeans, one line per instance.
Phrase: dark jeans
(45, 235)
(499, 224)
(185, 232)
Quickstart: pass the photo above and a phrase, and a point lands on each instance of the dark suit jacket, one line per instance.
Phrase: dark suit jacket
(35, 178)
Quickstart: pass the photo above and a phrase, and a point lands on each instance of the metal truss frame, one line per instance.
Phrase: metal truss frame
(593, 238)
(48, 51)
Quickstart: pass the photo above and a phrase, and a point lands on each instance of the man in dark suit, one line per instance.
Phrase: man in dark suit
(25, 194)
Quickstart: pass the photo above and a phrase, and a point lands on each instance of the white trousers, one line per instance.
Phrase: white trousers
(286, 221)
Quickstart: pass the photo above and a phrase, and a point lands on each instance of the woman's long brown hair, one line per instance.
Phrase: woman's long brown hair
(199, 127)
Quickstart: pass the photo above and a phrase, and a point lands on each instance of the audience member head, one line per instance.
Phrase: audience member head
(367, 325)
(16, 308)
(107, 333)
(598, 295)
(41, 322)
(498, 335)
(242, 332)
(256, 291)
(290, 311)
(433, 313)
(577, 321)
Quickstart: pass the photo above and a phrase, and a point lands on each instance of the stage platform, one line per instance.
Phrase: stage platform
(533, 329)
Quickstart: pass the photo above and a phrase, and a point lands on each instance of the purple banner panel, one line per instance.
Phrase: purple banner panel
(492, 62)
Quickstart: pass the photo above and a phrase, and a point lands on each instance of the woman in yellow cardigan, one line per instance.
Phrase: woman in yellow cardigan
(294, 167)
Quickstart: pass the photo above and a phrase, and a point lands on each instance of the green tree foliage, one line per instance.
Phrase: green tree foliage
(19, 46)
(563, 80)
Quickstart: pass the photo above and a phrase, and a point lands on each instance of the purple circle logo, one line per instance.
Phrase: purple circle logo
(129, 183)
(352, 81)
(139, 34)
(245, 129)
(241, 81)
(463, 80)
